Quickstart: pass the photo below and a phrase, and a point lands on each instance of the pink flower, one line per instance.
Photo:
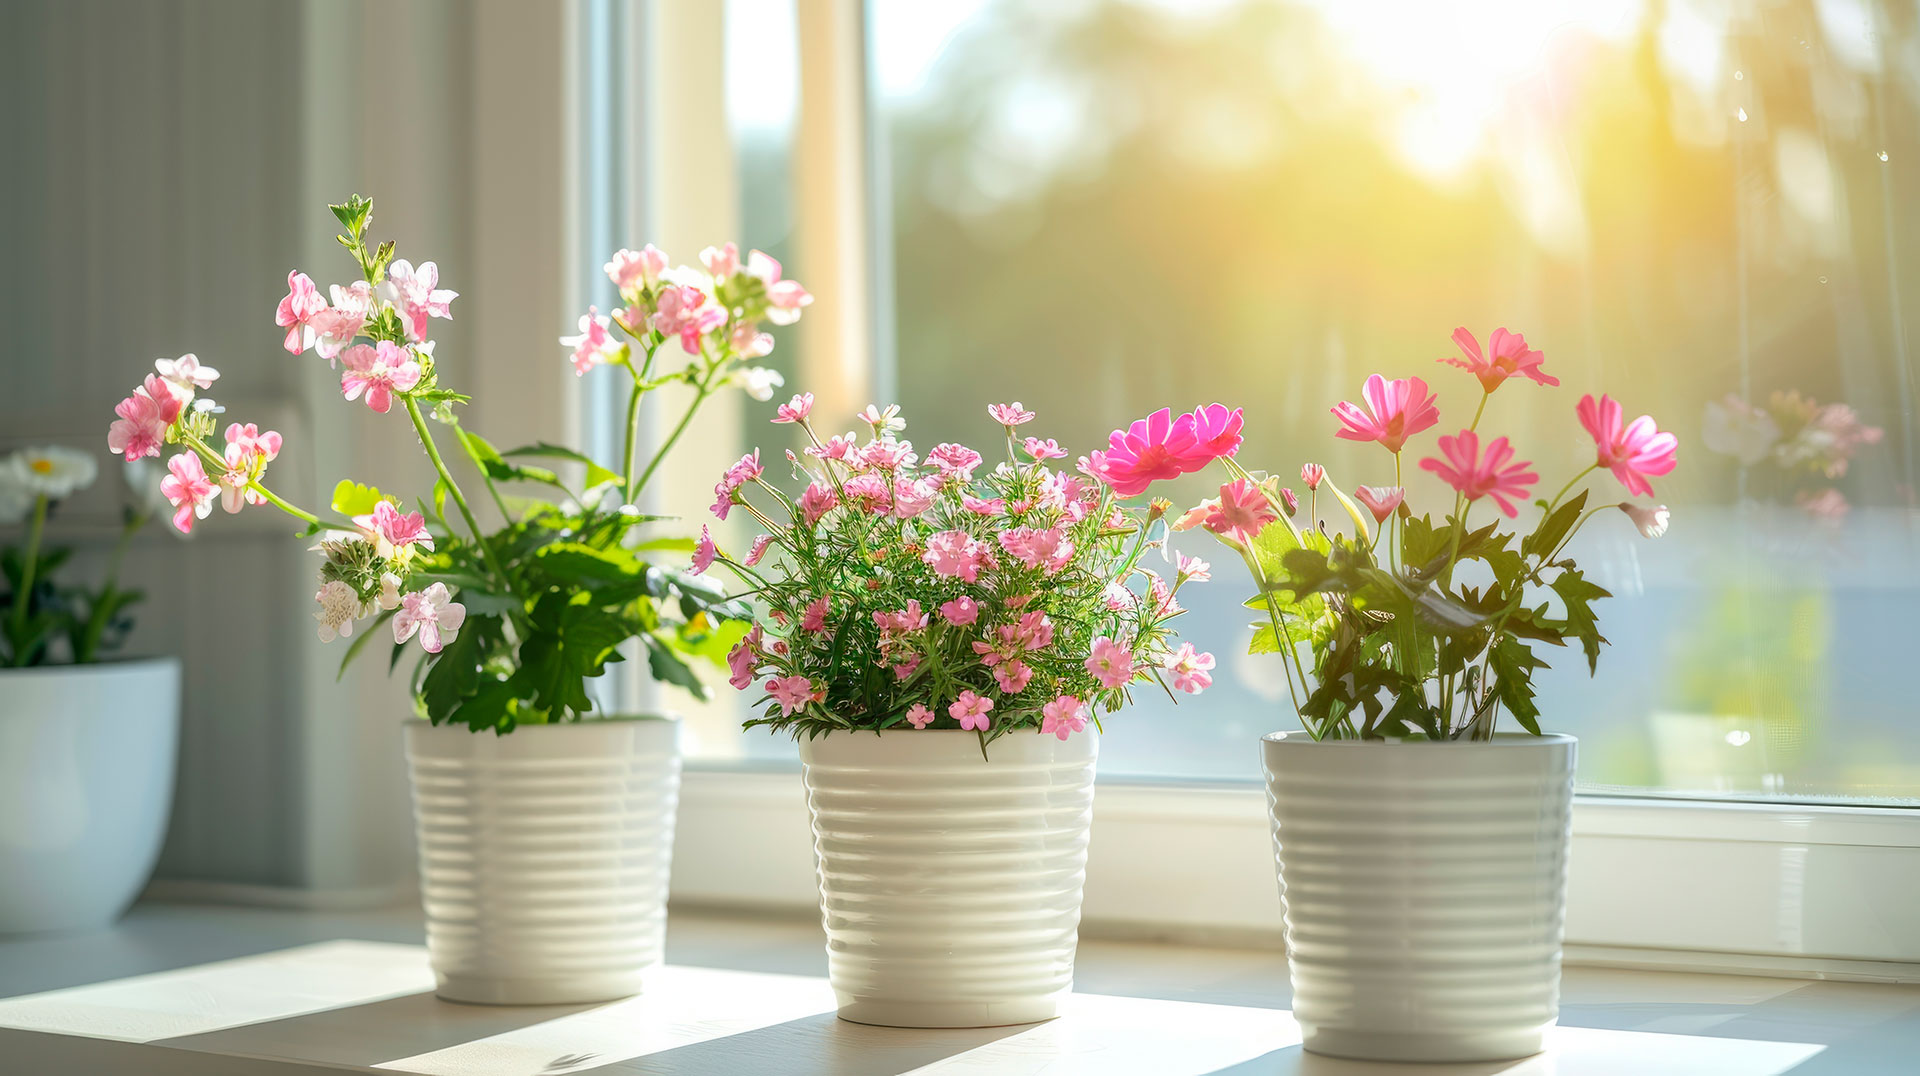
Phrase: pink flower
(912, 497)
(1047, 550)
(972, 711)
(1191, 671)
(991, 506)
(743, 659)
(1157, 447)
(140, 430)
(814, 617)
(595, 345)
(869, 493)
(1160, 597)
(416, 294)
(746, 469)
(392, 529)
(784, 297)
(1110, 663)
(758, 549)
(722, 500)
(795, 410)
(1193, 569)
(1650, 519)
(910, 619)
(1510, 356)
(954, 554)
(919, 716)
(188, 489)
(1216, 434)
(252, 442)
(1829, 505)
(1240, 513)
(703, 552)
(1010, 415)
(689, 313)
(1477, 476)
(295, 312)
(1291, 499)
(1380, 500)
(838, 447)
(632, 270)
(722, 262)
(793, 693)
(336, 328)
(432, 612)
(168, 397)
(887, 454)
(236, 488)
(1034, 631)
(1396, 410)
(379, 372)
(960, 611)
(1048, 449)
(1063, 716)
(816, 501)
(186, 372)
(1635, 453)
(1012, 676)
(1312, 474)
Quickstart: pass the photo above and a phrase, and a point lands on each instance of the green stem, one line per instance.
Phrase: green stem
(700, 394)
(96, 626)
(1591, 467)
(633, 436)
(1281, 640)
(25, 595)
(466, 442)
(459, 499)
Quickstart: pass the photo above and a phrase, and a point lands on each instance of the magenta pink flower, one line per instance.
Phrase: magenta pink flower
(953, 553)
(1013, 676)
(1216, 435)
(140, 430)
(1045, 550)
(631, 270)
(1291, 500)
(1151, 449)
(1635, 453)
(1191, 672)
(417, 295)
(1048, 449)
(1380, 500)
(379, 372)
(1396, 410)
(703, 552)
(1311, 475)
(911, 497)
(1110, 663)
(758, 549)
(784, 297)
(391, 529)
(814, 617)
(1509, 356)
(188, 489)
(960, 611)
(295, 312)
(1476, 476)
(1034, 631)
(431, 612)
(973, 711)
(869, 493)
(1010, 415)
(1063, 716)
(743, 661)
(795, 410)
(919, 716)
(990, 506)
(793, 693)
(594, 345)
(816, 501)
(838, 447)
(685, 311)
(1240, 513)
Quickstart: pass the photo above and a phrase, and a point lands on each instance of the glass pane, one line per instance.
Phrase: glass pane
(1705, 209)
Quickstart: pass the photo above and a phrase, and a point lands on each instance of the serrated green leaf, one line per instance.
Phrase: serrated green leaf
(596, 474)
(1578, 595)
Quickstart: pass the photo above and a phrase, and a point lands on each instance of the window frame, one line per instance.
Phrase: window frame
(1755, 888)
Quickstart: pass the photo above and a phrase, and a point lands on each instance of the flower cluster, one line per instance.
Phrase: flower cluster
(1398, 645)
(948, 592)
(1806, 445)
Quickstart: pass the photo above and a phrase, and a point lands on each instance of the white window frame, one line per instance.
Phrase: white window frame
(1816, 891)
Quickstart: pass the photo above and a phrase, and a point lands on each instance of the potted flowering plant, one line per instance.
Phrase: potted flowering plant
(1422, 853)
(545, 840)
(87, 740)
(944, 636)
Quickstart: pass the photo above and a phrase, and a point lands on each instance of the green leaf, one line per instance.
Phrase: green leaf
(1512, 663)
(1271, 546)
(455, 671)
(1547, 537)
(1578, 595)
(440, 491)
(351, 499)
(576, 562)
(668, 668)
(596, 474)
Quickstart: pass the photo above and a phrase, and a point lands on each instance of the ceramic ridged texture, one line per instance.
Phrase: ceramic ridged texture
(1424, 893)
(544, 857)
(950, 885)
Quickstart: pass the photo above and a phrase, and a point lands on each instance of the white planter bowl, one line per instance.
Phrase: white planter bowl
(950, 883)
(1424, 887)
(544, 856)
(86, 786)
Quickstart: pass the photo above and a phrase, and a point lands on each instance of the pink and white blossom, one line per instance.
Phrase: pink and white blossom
(1380, 500)
(416, 294)
(335, 327)
(816, 501)
(1110, 662)
(339, 604)
(703, 552)
(793, 693)
(1063, 716)
(973, 711)
(1193, 569)
(634, 270)
(1039, 450)
(379, 371)
(758, 550)
(1311, 475)
(188, 489)
(1191, 671)
(594, 345)
(687, 312)
(794, 410)
(1650, 519)
(785, 298)
(140, 430)
(431, 612)
(296, 311)
(1010, 414)
(392, 530)
(186, 373)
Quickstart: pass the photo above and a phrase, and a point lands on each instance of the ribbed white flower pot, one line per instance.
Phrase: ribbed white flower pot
(1424, 887)
(544, 856)
(950, 884)
(86, 786)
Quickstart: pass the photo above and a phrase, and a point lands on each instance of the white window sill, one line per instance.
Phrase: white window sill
(745, 995)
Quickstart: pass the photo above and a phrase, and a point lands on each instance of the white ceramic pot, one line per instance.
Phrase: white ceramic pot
(544, 856)
(1424, 887)
(950, 883)
(86, 785)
